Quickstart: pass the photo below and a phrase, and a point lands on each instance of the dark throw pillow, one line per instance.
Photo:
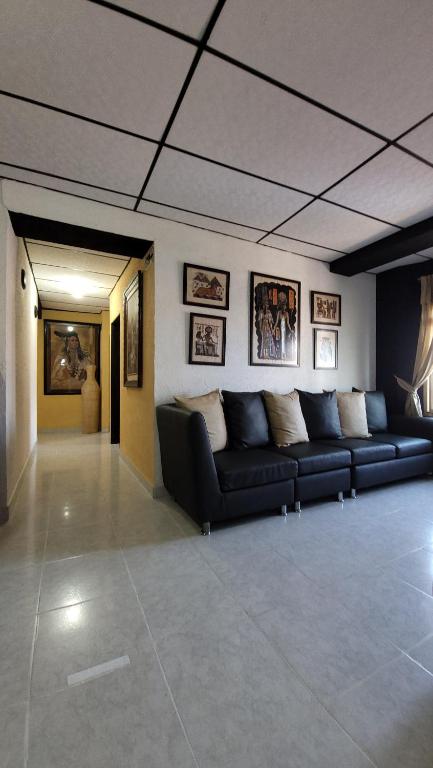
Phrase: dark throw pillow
(321, 415)
(377, 418)
(246, 419)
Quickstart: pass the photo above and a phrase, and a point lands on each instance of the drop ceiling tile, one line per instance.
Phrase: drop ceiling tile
(205, 188)
(216, 225)
(234, 117)
(421, 140)
(70, 307)
(61, 274)
(66, 298)
(370, 60)
(187, 16)
(428, 252)
(393, 186)
(92, 61)
(68, 187)
(404, 262)
(56, 256)
(47, 141)
(334, 228)
(53, 286)
(302, 249)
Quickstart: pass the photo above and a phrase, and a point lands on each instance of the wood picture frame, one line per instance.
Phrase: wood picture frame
(133, 332)
(275, 321)
(68, 347)
(325, 343)
(325, 308)
(206, 286)
(207, 339)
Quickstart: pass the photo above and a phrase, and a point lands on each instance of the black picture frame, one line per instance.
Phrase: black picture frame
(327, 320)
(269, 288)
(198, 321)
(50, 364)
(316, 339)
(210, 302)
(133, 333)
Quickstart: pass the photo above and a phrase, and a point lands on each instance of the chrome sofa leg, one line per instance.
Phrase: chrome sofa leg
(297, 506)
(284, 510)
(340, 496)
(205, 529)
(353, 493)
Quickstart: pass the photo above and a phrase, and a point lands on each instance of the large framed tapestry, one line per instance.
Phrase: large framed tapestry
(275, 311)
(69, 347)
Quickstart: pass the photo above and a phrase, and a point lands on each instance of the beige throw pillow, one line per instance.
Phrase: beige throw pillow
(212, 411)
(286, 419)
(353, 414)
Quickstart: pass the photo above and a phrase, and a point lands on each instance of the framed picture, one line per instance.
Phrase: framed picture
(133, 332)
(325, 349)
(69, 347)
(207, 340)
(275, 311)
(205, 287)
(325, 308)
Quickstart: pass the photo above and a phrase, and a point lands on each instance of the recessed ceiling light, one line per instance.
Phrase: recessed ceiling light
(70, 328)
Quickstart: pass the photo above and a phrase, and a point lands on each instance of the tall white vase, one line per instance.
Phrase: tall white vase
(90, 402)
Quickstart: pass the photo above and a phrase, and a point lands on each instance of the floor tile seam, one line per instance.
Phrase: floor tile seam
(313, 693)
(412, 586)
(32, 656)
(73, 526)
(161, 667)
(417, 663)
(368, 677)
(409, 650)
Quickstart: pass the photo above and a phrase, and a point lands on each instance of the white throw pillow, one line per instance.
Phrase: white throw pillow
(212, 411)
(353, 414)
(286, 419)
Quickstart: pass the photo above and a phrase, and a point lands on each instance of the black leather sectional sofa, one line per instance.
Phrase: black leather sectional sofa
(230, 483)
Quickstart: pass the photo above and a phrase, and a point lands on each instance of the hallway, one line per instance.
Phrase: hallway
(253, 647)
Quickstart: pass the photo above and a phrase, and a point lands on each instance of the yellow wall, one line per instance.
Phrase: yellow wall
(137, 407)
(64, 411)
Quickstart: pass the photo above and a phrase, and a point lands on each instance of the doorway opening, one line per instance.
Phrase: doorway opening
(115, 381)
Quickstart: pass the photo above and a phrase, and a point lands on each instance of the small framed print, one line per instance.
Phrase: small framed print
(205, 286)
(325, 308)
(207, 340)
(133, 332)
(325, 349)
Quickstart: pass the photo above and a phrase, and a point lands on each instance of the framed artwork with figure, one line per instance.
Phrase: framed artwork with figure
(206, 286)
(325, 308)
(69, 347)
(325, 349)
(133, 333)
(207, 340)
(275, 312)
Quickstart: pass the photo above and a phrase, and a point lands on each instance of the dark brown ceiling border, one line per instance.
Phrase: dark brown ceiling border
(79, 237)
(414, 238)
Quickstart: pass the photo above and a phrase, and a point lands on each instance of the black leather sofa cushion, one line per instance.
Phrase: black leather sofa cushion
(321, 414)
(405, 446)
(246, 419)
(365, 451)
(314, 457)
(245, 469)
(375, 405)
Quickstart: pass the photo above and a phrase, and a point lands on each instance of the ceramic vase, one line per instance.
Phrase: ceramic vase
(90, 402)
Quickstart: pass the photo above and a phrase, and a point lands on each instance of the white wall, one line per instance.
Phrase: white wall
(176, 243)
(3, 482)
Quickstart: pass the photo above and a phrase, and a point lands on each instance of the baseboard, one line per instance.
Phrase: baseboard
(11, 498)
(59, 430)
(153, 490)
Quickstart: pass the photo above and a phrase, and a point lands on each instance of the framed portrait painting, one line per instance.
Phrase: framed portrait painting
(325, 308)
(205, 286)
(133, 332)
(325, 349)
(275, 311)
(69, 347)
(207, 340)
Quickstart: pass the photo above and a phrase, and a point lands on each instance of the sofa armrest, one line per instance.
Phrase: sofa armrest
(188, 466)
(413, 426)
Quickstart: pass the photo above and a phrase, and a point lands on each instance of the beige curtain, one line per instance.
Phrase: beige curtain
(424, 354)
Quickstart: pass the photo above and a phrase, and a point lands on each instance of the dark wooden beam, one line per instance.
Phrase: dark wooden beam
(60, 233)
(415, 238)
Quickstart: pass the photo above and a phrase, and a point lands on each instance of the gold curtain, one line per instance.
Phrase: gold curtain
(423, 367)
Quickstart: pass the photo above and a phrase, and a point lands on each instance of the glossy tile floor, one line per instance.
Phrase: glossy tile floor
(273, 643)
